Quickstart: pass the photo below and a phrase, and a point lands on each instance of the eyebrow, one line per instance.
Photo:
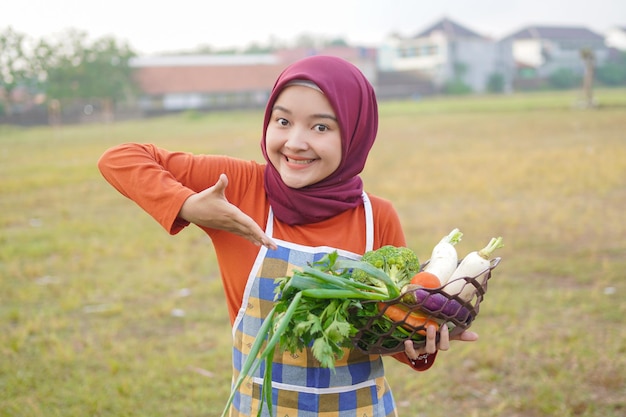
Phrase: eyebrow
(313, 116)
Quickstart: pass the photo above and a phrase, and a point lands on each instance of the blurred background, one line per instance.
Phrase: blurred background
(72, 62)
(499, 118)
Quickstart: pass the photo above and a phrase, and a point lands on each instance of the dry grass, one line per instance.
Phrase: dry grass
(89, 283)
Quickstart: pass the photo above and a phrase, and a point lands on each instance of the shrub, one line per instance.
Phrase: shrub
(564, 78)
(495, 83)
(456, 87)
(613, 73)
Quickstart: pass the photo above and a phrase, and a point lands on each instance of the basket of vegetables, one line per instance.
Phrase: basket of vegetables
(383, 329)
(444, 291)
(374, 304)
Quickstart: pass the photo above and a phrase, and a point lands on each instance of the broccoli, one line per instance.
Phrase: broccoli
(400, 263)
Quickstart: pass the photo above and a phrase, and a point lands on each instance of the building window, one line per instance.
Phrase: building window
(407, 52)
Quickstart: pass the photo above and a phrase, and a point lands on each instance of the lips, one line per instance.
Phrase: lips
(298, 161)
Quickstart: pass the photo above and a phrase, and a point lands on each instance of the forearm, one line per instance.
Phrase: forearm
(138, 173)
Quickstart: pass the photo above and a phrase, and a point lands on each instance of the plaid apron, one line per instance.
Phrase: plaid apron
(300, 387)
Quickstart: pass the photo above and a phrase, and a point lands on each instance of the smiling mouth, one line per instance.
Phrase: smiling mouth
(299, 161)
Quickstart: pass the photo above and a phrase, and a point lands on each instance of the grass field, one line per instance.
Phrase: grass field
(102, 313)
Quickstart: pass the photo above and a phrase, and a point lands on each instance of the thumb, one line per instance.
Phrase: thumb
(468, 336)
(221, 184)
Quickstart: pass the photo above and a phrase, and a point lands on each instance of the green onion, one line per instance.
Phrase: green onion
(331, 293)
(252, 364)
(345, 283)
(392, 288)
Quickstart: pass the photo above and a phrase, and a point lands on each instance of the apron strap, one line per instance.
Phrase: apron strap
(269, 226)
(369, 223)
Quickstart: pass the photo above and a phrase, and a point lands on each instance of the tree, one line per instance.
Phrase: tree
(15, 69)
(495, 83)
(563, 79)
(613, 73)
(306, 40)
(257, 48)
(457, 85)
(338, 42)
(588, 58)
(77, 69)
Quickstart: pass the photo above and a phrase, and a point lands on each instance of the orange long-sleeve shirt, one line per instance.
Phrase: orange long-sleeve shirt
(160, 181)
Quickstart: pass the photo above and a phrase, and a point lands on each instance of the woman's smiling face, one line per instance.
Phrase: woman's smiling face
(303, 140)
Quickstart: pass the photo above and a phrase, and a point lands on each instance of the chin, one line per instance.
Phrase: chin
(296, 184)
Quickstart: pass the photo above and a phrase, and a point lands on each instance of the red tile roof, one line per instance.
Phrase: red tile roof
(206, 79)
(226, 73)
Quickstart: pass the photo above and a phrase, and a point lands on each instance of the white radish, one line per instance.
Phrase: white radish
(444, 258)
(474, 265)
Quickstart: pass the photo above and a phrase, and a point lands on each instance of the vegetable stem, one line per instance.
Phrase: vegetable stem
(454, 237)
(341, 294)
(494, 243)
(252, 364)
(339, 282)
(392, 289)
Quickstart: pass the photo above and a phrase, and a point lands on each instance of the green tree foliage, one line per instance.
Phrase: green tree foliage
(457, 85)
(495, 83)
(15, 69)
(67, 68)
(78, 69)
(563, 79)
(257, 48)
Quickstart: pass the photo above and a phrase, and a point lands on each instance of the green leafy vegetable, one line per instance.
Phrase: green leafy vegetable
(321, 306)
(399, 263)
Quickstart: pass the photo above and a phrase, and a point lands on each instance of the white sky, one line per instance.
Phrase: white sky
(154, 26)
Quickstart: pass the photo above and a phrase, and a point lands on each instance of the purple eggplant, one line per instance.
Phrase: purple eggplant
(437, 303)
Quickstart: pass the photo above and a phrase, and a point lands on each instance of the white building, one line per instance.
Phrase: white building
(543, 50)
(616, 38)
(447, 51)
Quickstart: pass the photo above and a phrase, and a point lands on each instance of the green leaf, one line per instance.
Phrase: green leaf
(338, 331)
(323, 352)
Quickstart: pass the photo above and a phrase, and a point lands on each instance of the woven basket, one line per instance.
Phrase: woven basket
(379, 335)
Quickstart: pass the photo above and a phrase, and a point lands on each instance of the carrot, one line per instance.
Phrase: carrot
(410, 320)
(426, 280)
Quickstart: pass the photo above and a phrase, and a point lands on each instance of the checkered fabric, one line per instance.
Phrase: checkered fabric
(301, 388)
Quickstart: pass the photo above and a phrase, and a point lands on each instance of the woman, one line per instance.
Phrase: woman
(307, 200)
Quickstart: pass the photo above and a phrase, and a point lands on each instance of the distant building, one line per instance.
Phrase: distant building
(362, 58)
(541, 50)
(446, 52)
(442, 55)
(205, 82)
(616, 38)
(175, 83)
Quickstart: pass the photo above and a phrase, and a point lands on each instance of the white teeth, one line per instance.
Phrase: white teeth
(299, 161)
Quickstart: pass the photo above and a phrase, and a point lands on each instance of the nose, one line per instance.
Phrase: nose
(297, 139)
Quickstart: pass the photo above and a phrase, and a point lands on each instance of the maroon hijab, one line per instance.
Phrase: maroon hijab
(354, 101)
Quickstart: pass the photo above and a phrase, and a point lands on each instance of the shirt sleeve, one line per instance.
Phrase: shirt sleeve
(160, 181)
(422, 363)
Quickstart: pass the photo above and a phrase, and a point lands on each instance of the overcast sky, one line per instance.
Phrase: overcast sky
(153, 26)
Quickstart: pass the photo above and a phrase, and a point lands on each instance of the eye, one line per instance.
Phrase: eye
(320, 128)
(282, 121)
